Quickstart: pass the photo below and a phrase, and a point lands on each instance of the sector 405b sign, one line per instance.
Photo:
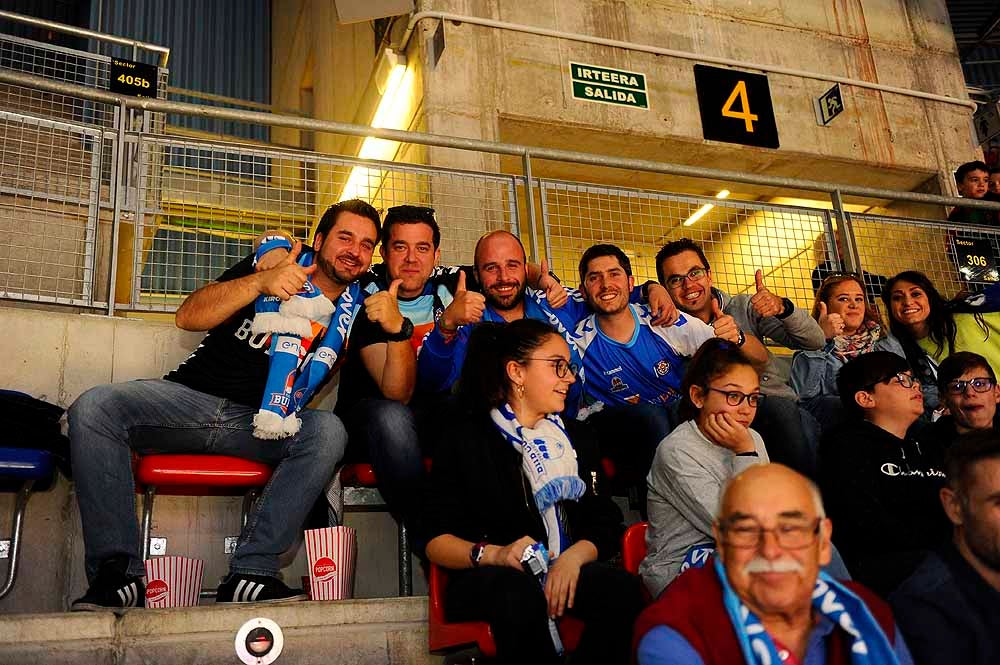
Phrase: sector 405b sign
(609, 86)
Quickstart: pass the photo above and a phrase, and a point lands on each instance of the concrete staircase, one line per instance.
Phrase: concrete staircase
(353, 632)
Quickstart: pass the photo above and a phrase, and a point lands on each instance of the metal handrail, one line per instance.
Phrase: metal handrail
(674, 53)
(89, 34)
(478, 145)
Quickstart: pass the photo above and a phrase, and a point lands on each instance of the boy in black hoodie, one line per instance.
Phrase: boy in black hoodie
(880, 486)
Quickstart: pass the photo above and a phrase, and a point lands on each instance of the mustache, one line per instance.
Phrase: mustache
(783, 565)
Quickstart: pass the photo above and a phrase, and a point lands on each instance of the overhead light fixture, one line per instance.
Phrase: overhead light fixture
(702, 211)
(394, 109)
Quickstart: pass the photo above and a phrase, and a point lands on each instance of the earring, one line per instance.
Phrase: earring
(519, 387)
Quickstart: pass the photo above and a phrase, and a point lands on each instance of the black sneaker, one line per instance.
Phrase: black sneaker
(239, 588)
(112, 589)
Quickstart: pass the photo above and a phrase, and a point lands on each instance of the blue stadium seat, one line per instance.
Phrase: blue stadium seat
(27, 466)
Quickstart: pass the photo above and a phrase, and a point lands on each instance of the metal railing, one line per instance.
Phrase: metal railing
(173, 211)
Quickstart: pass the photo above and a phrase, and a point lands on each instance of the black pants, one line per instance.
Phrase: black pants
(607, 600)
(628, 436)
(791, 434)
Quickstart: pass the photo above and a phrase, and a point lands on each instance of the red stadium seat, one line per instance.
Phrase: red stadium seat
(445, 636)
(634, 547)
(196, 475)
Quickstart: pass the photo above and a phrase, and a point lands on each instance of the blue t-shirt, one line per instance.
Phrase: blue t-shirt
(647, 368)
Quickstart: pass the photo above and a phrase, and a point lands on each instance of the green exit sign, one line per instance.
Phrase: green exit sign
(609, 86)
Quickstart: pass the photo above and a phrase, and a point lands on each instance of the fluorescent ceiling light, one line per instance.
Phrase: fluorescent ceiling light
(394, 109)
(702, 211)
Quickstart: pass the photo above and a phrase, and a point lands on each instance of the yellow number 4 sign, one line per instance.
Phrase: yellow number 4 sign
(740, 93)
(735, 106)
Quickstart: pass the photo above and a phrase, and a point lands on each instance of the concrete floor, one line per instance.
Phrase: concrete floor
(354, 632)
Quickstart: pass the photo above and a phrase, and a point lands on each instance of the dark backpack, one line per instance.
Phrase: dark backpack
(26, 422)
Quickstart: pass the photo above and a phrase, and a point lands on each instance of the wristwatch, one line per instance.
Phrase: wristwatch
(741, 337)
(405, 332)
(477, 552)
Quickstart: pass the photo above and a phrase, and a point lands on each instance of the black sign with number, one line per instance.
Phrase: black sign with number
(735, 106)
(133, 78)
(976, 259)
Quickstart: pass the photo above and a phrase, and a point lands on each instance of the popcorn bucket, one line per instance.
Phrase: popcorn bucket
(331, 553)
(173, 581)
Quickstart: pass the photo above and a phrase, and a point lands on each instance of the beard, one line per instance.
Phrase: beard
(332, 271)
(504, 303)
(982, 542)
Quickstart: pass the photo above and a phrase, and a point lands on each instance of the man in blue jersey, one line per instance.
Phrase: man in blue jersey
(500, 269)
(632, 368)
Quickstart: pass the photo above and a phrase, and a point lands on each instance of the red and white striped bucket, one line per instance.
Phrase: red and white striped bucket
(173, 581)
(332, 553)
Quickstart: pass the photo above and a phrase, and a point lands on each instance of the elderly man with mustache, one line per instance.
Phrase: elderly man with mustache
(762, 599)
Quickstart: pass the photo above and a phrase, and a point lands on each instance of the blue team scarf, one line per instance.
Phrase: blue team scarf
(289, 387)
(869, 645)
(549, 461)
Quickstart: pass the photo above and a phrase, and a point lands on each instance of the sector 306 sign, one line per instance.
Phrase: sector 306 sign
(735, 106)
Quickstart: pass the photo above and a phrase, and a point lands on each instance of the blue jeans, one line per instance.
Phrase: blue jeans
(384, 433)
(153, 416)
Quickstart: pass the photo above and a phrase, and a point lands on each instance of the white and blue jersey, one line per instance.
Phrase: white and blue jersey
(647, 368)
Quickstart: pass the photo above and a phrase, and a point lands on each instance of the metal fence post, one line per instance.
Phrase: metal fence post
(117, 178)
(848, 254)
(529, 198)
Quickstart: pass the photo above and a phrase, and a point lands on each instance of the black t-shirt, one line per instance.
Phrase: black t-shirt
(230, 362)
(423, 311)
(355, 381)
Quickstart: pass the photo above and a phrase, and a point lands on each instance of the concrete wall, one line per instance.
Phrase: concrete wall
(56, 356)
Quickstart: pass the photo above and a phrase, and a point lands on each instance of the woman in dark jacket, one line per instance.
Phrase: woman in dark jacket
(509, 475)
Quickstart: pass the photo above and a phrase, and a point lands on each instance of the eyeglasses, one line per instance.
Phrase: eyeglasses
(694, 275)
(735, 397)
(902, 378)
(980, 384)
(791, 535)
(562, 365)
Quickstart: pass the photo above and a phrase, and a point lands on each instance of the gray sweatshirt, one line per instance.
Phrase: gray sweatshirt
(797, 331)
(685, 485)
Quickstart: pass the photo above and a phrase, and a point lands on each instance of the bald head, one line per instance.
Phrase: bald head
(500, 242)
(773, 481)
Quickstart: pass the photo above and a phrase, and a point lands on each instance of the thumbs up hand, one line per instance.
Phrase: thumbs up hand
(285, 277)
(467, 307)
(764, 302)
(554, 291)
(383, 308)
(832, 324)
(724, 325)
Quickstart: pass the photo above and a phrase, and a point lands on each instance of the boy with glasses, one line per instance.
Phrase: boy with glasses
(790, 433)
(879, 483)
(968, 387)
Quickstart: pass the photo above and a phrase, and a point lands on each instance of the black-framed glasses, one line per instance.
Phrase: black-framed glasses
(790, 534)
(735, 397)
(694, 275)
(902, 378)
(562, 366)
(980, 384)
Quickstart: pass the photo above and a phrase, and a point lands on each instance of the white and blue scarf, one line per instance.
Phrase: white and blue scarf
(549, 461)
(290, 386)
(869, 645)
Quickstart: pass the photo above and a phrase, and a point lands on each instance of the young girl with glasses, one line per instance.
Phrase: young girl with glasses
(508, 474)
(720, 396)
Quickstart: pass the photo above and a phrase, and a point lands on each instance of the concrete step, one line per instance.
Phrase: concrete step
(352, 632)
